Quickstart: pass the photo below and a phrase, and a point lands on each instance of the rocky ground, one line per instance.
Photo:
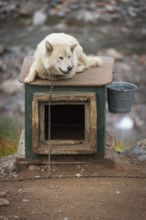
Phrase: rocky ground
(114, 189)
(74, 198)
(96, 11)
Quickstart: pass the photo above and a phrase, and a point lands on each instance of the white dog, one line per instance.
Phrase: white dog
(60, 56)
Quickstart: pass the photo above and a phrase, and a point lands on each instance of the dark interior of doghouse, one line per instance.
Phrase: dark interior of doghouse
(67, 121)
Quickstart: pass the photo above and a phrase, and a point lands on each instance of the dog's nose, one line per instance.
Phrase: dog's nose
(69, 68)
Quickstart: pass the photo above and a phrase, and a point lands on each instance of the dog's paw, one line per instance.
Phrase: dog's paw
(98, 61)
(80, 68)
(28, 79)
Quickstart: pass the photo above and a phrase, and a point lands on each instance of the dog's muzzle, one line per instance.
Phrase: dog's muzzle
(69, 68)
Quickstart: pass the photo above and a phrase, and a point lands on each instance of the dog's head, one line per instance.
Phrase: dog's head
(59, 59)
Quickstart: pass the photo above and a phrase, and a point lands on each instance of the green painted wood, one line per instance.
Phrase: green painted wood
(100, 100)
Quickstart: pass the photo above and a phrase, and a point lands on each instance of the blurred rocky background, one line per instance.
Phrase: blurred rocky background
(114, 28)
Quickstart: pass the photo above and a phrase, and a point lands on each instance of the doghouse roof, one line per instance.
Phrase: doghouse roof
(98, 76)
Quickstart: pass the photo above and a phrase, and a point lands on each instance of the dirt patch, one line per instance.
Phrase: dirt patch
(109, 189)
(75, 198)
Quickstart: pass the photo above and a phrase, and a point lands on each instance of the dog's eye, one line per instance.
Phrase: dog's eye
(61, 58)
(68, 57)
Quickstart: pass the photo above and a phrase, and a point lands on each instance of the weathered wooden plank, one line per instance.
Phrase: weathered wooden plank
(35, 124)
(64, 97)
(90, 77)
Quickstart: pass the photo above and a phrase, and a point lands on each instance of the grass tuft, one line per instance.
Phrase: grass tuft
(10, 130)
(119, 148)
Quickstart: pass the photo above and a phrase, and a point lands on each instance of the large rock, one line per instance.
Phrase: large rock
(139, 151)
(11, 86)
(7, 164)
(4, 202)
(115, 54)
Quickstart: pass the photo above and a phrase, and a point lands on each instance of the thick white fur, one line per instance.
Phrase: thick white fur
(60, 56)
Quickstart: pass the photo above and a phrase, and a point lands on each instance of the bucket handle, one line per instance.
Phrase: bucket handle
(117, 79)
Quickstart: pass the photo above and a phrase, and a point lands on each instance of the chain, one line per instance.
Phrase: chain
(49, 128)
(116, 78)
(24, 178)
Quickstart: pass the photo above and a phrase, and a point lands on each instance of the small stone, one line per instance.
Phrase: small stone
(61, 14)
(125, 30)
(32, 167)
(54, 169)
(25, 200)
(2, 194)
(60, 27)
(16, 217)
(15, 175)
(108, 17)
(132, 11)
(37, 177)
(4, 202)
(75, 7)
(79, 166)
(39, 18)
(101, 4)
(20, 190)
(110, 8)
(78, 175)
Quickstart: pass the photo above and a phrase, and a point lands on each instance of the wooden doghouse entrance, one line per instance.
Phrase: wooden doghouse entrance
(77, 110)
(73, 120)
(67, 121)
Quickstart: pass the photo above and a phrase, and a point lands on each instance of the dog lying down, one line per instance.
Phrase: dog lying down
(60, 56)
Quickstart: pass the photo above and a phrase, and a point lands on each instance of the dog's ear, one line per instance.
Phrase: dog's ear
(73, 47)
(49, 47)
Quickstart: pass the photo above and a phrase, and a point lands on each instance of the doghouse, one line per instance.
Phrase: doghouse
(74, 113)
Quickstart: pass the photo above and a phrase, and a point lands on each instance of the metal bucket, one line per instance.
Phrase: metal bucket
(120, 97)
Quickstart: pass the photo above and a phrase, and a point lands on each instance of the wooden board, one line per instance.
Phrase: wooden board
(98, 76)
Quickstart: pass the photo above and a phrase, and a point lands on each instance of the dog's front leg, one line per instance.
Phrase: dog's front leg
(81, 64)
(32, 74)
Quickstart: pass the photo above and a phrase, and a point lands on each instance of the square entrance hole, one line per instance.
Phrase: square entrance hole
(67, 121)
